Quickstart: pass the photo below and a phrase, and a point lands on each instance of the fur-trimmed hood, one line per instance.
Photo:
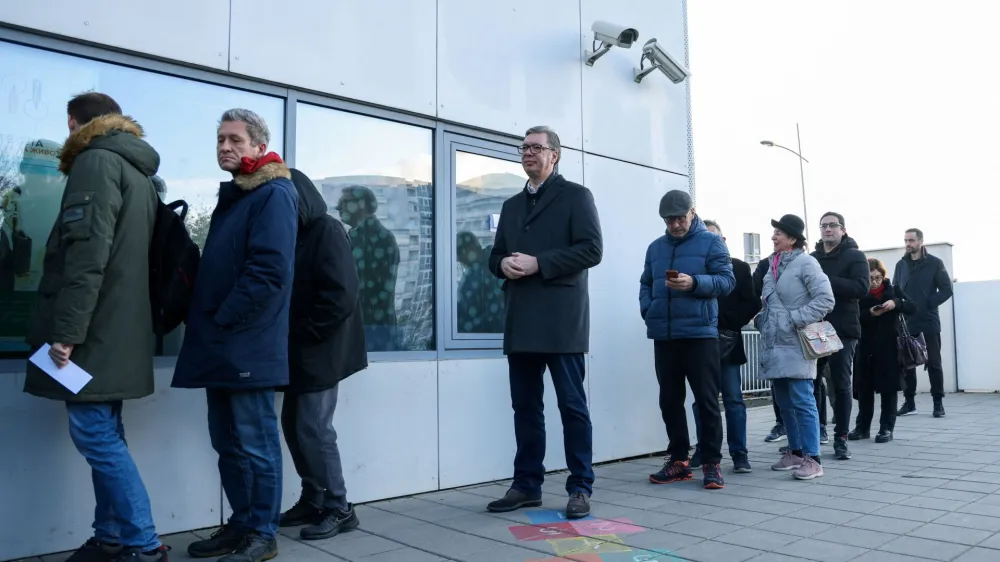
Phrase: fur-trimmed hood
(266, 173)
(117, 133)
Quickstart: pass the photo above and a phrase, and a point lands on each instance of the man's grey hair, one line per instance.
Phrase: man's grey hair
(549, 134)
(256, 126)
(710, 222)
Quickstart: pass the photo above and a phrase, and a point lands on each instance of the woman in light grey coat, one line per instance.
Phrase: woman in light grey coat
(795, 292)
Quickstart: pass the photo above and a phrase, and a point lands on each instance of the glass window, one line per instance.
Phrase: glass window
(377, 177)
(179, 117)
(482, 184)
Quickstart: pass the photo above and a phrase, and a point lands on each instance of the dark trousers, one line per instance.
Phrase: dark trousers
(933, 366)
(527, 389)
(243, 427)
(307, 422)
(697, 361)
(841, 365)
(866, 408)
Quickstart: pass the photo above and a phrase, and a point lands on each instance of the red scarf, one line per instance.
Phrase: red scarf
(877, 293)
(249, 166)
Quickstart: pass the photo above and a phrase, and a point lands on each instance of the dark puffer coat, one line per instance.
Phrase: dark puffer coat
(326, 342)
(847, 268)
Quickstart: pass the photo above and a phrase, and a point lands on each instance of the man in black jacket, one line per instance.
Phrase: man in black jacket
(925, 281)
(735, 311)
(326, 344)
(548, 236)
(847, 268)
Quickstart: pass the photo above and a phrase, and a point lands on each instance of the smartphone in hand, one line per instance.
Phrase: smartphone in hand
(672, 274)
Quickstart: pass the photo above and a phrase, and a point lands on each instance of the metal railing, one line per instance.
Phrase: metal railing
(750, 382)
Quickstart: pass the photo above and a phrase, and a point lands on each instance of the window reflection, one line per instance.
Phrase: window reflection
(375, 175)
(482, 185)
(179, 117)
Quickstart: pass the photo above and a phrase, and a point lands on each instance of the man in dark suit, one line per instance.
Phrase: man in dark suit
(548, 236)
(736, 310)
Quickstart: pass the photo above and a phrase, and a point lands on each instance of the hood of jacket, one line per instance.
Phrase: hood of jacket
(312, 206)
(117, 133)
(696, 226)
(268, 172)
(845, 242)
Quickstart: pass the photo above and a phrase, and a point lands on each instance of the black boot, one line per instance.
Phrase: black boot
(939, 407)
(909, 408)
(884, 434)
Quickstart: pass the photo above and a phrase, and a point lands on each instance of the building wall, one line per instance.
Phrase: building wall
(396, 95)
(948, 310)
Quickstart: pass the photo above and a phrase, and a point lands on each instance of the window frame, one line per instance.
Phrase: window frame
(452, 143)
(444, 133)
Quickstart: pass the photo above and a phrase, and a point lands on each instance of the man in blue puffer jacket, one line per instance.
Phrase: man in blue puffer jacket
(686, 270)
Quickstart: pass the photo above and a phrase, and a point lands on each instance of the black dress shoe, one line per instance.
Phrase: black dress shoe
(859, 434)
(333, 523)
(578, 506)
(513, 501)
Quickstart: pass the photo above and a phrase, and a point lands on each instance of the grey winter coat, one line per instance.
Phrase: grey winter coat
(801, 295)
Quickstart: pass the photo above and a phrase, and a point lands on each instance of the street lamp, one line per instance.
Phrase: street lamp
(802, 173)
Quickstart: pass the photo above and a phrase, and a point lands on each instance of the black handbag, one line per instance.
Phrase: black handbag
(911, 350)
(727, 342)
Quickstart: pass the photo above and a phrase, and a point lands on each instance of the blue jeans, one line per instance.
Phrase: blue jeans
(243, 427)
(798, 410)
(526, 391)
(122, 515)
(736, 410)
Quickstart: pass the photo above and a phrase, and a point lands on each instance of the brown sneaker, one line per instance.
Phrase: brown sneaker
(787, 462)
(810, 469)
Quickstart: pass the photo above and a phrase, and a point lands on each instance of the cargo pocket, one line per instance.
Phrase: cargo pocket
(77, 216)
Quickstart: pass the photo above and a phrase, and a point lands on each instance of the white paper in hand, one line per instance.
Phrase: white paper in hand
(71, 376)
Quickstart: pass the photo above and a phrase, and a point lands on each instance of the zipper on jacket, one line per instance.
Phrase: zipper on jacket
(670, 311)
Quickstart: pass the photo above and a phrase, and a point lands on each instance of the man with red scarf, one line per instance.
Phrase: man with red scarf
(236, 342)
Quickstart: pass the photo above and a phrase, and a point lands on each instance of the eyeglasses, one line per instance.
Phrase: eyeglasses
(826, 225)
(531, 148)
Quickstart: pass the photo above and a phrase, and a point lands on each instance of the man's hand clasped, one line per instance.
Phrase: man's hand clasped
(518, 265)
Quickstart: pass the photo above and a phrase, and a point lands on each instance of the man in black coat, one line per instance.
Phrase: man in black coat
(925, 281)
(847, 268)
(548, 236)
(736, 310)
(326, 344)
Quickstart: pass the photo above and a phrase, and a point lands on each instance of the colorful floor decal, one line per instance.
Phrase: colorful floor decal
(586, 540)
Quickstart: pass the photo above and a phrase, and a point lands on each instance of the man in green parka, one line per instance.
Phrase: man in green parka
(94, 310)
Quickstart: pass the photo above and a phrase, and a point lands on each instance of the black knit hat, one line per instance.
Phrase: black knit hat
(790, 225)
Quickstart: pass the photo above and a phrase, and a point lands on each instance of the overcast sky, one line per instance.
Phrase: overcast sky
(898, 105)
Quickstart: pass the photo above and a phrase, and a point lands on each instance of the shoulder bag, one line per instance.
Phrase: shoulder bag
(911, 350)
(819, 339)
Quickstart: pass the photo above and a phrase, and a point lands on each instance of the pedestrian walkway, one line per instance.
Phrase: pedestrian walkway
(929, 495)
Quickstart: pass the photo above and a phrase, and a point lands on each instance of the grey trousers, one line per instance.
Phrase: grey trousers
(307, 422)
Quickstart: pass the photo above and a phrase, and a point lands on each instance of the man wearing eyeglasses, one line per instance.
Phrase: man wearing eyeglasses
(847, 268)
(547, 238)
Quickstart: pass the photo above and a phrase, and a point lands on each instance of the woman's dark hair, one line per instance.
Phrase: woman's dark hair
(799, 244)
(875, 264)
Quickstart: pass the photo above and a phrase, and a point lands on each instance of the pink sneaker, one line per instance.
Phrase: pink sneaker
(810, 469)
(787, 462)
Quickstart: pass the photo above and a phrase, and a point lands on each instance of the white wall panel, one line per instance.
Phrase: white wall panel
(644, 123)
(624, 407)
(377, 51)
(194, 31)
(386, 422)
(947, 311)
(976, 311)
(510, 65)
(47, 484)
(571, 165)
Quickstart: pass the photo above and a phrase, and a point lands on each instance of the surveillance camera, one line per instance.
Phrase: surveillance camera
(610, 35)
(660, 59)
